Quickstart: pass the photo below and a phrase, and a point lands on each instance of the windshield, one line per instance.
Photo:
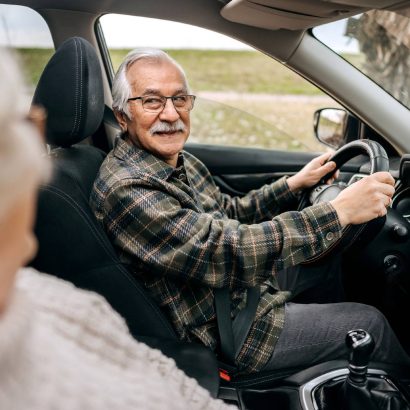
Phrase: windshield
(377, 43)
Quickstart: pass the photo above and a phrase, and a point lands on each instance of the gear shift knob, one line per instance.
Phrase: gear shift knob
(361, 345)
(360, 390)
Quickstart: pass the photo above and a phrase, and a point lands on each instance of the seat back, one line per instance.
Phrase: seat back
(72, 244)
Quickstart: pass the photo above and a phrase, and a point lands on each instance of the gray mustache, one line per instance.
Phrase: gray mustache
(163, 126)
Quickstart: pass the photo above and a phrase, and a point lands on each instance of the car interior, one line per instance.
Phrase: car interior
(74, 88)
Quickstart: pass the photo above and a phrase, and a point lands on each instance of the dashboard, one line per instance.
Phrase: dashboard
(377, 265)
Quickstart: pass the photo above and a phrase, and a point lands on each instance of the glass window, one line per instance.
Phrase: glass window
(244, 97)
(378, 44)
(25, 31)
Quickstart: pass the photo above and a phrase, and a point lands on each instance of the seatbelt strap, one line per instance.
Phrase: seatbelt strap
(224, 321)
(233, 335)
(244, 319)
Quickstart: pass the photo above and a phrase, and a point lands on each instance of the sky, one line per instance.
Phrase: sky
(22, 27)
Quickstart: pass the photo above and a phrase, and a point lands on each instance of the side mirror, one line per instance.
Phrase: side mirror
(330, 126)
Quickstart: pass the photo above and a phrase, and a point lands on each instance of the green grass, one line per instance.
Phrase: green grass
(208, 70)
(240, 71)
(33, 61)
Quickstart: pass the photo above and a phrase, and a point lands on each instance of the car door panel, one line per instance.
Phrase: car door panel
(237, 170)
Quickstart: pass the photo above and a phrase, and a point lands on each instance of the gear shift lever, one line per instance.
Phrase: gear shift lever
(360, 391)
(361, 346)
(356, 395)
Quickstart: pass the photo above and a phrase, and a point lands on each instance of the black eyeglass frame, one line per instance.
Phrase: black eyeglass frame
(164, 99)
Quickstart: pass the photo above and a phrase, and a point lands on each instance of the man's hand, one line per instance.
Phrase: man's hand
(312, 173)
(364, 200)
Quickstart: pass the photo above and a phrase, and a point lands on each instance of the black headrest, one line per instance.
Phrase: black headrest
(71, 90)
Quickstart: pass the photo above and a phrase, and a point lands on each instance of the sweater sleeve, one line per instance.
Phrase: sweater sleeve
(81, 322)
(174, 238)
(194, 396)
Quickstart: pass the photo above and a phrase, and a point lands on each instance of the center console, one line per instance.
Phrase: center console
(354, 384)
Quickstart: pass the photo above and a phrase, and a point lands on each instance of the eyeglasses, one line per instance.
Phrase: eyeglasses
(156, 103)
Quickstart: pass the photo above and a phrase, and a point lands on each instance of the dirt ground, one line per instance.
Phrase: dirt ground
(290, 115)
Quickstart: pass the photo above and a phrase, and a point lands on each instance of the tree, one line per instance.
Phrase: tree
(384, 41)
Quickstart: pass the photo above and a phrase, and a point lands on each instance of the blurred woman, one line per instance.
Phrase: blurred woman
(62, 347)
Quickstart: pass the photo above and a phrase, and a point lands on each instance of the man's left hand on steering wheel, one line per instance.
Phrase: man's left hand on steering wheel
(312, 173)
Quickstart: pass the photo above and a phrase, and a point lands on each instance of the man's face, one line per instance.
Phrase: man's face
(158, 79)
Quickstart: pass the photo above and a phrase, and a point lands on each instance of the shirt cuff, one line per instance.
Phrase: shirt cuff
(283, 192)
(325, 221)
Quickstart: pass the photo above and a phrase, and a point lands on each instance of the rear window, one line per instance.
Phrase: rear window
(25, 32)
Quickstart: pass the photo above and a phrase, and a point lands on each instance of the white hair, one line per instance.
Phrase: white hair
(22, 155)
(121, 89)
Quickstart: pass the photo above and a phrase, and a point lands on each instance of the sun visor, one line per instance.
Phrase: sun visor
(298, 14)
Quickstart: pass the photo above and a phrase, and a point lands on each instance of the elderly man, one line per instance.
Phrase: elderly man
(184, 239)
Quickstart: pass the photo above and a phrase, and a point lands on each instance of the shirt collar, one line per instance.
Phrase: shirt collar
(146, 161)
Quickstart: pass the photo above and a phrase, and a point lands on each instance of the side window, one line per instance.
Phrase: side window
(25, 32)
(244, 98)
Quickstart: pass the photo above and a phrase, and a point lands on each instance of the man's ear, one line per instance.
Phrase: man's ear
(121, 119)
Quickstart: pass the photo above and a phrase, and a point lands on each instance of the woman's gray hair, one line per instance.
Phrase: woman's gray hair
(23, 161)
(121, 89)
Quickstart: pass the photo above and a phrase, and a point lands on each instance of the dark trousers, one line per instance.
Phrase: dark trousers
(315, 332)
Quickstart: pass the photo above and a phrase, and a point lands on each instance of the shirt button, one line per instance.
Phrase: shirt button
(330, 236)
(182, 177)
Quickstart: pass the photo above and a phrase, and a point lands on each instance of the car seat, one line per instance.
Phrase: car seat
(72, 244)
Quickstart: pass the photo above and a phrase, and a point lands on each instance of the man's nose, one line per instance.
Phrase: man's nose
(169, 113)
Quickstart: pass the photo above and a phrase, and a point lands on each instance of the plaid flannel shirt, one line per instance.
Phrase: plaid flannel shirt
(183, 238)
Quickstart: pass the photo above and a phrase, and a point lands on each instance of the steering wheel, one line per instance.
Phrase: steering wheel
(323, 192)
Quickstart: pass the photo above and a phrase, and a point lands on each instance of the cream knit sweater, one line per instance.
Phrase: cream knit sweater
(65, 348)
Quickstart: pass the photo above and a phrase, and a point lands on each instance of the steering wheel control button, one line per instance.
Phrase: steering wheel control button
(355, 178)
(391, 264)
(399, 232)
(330, 236)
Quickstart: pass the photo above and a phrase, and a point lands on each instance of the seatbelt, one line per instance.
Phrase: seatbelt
(232, 335)
(224, 321)
(244, 319)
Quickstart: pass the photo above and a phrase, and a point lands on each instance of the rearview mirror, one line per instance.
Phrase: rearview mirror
(330, 126)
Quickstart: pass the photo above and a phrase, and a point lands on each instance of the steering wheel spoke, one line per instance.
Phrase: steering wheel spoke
(355, 178)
